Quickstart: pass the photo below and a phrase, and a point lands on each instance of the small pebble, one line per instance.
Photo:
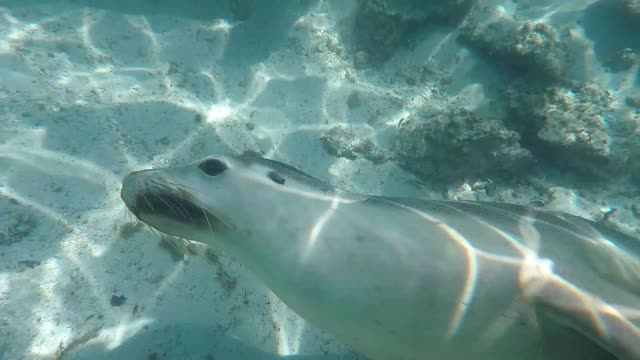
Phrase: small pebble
(118, 300)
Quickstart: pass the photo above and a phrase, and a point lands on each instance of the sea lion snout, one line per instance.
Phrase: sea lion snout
(131, 189)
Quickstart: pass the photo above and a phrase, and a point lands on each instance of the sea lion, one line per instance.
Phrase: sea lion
(409, 279)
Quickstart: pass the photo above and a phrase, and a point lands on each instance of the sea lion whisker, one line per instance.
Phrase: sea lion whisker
(153, 209)
(204, 212)
(181, 186)
(181, 195)
(173, 185)
(170, 206)
(188, 216)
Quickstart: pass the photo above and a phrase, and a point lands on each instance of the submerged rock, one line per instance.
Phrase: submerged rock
(630, 7)
(449, 144)
(442, 12)
(382, 26)
(565, 125)
(622, 60)
(571, 122)
(529, 47)
(633, 102)
(242, 9)
(344, 142)
(379, 31)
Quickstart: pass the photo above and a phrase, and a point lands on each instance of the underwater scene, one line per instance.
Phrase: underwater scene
(320, 179)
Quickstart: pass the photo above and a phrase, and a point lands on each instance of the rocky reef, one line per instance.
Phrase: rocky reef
(453, 143)
(528, 47)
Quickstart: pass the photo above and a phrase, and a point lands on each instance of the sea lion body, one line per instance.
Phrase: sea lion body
(409, 279)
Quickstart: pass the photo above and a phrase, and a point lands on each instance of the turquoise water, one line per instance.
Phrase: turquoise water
(527, 102)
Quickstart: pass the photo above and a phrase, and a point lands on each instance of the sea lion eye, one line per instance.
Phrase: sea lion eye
(212, 167)
(276, 178)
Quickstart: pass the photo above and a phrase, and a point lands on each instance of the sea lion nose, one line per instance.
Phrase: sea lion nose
(132, 186)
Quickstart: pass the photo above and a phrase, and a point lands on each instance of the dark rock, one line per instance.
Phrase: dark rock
(118, 300)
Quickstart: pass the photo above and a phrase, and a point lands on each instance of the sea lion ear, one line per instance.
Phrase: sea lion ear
(212, 166)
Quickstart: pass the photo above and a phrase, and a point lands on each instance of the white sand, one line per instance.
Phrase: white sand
(88, 94)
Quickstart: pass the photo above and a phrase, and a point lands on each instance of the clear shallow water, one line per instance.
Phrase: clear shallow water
(462, 102)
